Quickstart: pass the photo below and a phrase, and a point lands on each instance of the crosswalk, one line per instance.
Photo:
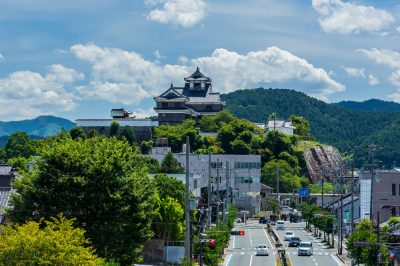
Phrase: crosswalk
(250, 251)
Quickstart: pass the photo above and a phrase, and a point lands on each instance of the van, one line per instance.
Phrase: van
(280, 225)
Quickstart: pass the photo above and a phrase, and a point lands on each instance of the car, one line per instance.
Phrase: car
(262, 250)
(294, 241)
(263, 220)
(288, 235)
(305, 248)
(280, 225)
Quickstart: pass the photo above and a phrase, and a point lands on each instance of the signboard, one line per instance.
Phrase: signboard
(304, 192)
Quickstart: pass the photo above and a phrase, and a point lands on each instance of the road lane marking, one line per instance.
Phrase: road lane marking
(336, 260)
(229, 260)
(251, 240)
(251, 260)
(234, 241)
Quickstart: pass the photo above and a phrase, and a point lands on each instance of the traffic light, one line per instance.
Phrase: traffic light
(237, 233)
(212, 242)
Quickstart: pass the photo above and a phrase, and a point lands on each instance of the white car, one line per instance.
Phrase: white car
(305, 248)
(288, 235)
(280, 225)
(262, 250)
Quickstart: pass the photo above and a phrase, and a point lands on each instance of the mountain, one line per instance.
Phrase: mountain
(42, 126)
(341, 127)
(374, 105)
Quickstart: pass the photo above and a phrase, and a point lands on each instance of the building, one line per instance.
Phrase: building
(6, 177)
(385, 191)
(281, 126)
(143, 128)
(336, 206)
(239, 176)
(194, 100)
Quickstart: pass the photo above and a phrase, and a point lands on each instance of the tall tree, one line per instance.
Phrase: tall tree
(98, 182)
(77, 132)
(128, 134)
(114, 127)
(170, 165)
(54, 242)
(302, 127)
(19, 145)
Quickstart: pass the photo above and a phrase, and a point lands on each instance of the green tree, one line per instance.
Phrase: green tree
(114, 128)
(128, 134)
(238, 146)
(167, 186)
(302, 127)
(54, 242)
(278, 142)
(19, 145)
(170, 165)
(146, 147)
(288, 179)
(169, 225)
(366, 255)
(77, 132)
(92, 133)
(20, 163)
(208, 124)
(98, 182)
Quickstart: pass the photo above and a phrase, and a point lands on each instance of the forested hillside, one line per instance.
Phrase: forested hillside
(340, 127)
(373, 105)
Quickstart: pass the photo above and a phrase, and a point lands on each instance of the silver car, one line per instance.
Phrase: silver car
(262, 250)
(305, 248)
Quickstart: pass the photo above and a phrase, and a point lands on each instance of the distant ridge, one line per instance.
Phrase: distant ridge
(372, 105)
(42, 126)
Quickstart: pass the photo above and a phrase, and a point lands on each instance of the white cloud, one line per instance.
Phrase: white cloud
(398, 29)
(183, 13)
(360, 73)
(395, 97)
(27, 94)
(126, 77)
(372, 80)
(383, 56)
(158, 55)
(1, 57)
(355, 72)
(346, 17)
(144, 113)
(395, 78)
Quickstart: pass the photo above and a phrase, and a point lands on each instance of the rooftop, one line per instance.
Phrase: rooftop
(5, 170)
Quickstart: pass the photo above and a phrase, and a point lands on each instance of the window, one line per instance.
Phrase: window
(393, 189)
(214, 165)
(399, 189)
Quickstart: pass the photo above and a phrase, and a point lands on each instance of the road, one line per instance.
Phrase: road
(242, 251)
(322, 255)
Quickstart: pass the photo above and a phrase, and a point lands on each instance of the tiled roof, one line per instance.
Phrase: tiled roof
(279, 123)
(5, 169)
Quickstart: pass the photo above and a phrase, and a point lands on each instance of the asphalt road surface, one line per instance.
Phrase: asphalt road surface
(242, 251)
(322, 255)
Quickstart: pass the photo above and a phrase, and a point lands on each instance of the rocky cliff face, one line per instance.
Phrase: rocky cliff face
(325, 162)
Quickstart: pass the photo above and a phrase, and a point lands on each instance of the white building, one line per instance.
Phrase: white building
(239, 173)
(282, 126)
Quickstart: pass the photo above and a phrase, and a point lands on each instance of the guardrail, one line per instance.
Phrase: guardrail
(283, 259)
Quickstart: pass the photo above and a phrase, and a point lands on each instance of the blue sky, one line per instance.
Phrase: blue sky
(79, 59)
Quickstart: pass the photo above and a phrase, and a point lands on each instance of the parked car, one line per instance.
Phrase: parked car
(305, 248)
(263, 220)
(280, 225)
(262, 250)
(288, 235)
(294, 241)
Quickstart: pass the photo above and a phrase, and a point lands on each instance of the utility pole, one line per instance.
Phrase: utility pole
(352, 195)
(340, 242)
(372, 150)
(187, 204)
(277, 186)
(217, 220)
(227, 189)
(323, 181)
(209, 199)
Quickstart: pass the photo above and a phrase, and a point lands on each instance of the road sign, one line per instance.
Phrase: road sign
(303, 192)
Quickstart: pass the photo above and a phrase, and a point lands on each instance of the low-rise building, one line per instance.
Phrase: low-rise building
(236, 176)
(6, 178)
(385, 192)
(281, 126)
(143, 128)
